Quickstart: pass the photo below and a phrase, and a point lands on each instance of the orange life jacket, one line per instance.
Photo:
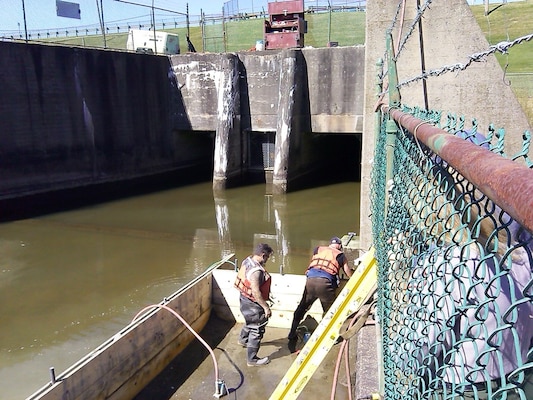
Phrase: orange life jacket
(326, 259)
(243, 283)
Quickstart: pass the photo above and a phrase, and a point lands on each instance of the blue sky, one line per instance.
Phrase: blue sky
(41, 14)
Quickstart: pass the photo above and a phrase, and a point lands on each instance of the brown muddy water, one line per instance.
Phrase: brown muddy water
(70, 279)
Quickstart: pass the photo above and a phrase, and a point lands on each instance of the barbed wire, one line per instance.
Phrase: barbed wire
(393, 23)
(501, 47)
(419, 14)
(396, 15)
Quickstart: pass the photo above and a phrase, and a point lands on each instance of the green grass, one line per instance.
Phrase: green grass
(242, 35)
(346, 28)
(507, 23)
(511, 21)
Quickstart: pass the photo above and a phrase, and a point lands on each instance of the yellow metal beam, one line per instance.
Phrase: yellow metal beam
(357, 291)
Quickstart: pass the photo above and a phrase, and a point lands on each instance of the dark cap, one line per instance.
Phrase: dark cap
(335, 240)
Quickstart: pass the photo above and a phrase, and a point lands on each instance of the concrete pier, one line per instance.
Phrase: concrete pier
(74, 117)
(284, 127)
(228, 146)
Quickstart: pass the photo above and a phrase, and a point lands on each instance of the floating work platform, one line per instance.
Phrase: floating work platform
(192, 376)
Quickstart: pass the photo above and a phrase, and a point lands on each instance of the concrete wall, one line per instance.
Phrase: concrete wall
(292, 92)
(450, 35)
(71, 117)
(75, 117)
(336, 88)
(334, 81)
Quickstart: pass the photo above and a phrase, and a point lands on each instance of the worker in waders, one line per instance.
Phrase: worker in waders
(322, 280)
(253, 281)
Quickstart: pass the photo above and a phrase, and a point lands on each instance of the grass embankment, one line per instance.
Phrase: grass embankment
(346, 28)
(506, 23)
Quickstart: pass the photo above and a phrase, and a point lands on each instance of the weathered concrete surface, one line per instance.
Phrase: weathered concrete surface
(334, 88)
(367, 362)
(294, 93)
(72, 117)
(334, 102)
(450, 35)
(228, 143)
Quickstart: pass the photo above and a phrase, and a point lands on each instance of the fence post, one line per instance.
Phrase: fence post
(379, 90)
(224, 39)
(202, 24)
(391, 128)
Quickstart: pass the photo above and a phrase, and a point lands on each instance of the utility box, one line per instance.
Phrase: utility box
(286, 25)
(150, 42)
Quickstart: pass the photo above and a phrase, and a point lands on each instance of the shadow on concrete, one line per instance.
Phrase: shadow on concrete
(182, 367)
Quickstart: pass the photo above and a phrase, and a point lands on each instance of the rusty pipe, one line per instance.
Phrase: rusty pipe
(506, 182)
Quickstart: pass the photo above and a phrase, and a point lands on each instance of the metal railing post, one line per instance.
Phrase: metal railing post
(379, 89)
(391, 127)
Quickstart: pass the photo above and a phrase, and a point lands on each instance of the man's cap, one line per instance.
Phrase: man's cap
(335, 240)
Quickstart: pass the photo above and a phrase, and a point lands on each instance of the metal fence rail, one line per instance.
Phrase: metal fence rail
(452, 222)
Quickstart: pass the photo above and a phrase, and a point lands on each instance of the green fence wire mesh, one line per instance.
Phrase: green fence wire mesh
(455, 285)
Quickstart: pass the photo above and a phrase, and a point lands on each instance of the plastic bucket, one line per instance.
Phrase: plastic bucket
(260, 45)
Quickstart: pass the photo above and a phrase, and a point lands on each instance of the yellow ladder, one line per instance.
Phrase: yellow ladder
(357, 291)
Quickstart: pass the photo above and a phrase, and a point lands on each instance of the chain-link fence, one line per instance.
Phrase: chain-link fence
(455, 268)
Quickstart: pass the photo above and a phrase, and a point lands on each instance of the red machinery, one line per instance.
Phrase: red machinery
(286, 26)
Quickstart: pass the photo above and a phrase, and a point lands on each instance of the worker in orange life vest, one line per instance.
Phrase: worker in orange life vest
(253, 281)
(322, 280)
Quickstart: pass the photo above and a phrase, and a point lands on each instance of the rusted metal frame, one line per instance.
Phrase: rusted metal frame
(506, 182)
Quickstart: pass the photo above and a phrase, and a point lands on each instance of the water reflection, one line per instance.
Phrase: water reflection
(274, 213)
(69, 280)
